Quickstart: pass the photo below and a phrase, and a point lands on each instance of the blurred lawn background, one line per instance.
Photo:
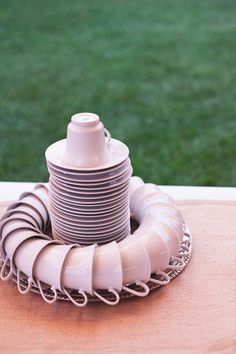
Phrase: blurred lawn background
(161, 75)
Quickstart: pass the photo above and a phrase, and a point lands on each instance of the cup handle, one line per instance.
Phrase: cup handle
(46, 299)
(6, 274)
(135, 292)
(26, 290)
(186, 253)
(161, 282)
(108, 135)
(76, 303)
(180, 263)
(106, 301)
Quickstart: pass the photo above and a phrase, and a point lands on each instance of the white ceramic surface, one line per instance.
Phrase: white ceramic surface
(135, 261)
(87, 212)
(68, 238)
(90, 224)
(15, 239)
(135, 183)
(141, 192)
(76, 181)
(92, 219)
(19, 214)
(118, 152)
(89, 203)
(86, 145)
(48, 266)
(85, 176)
(27, 253)
(87, 193)
(156, 198)
(96, 191)
(37, 202)
(78, 269)
(30, 210)
(169, 209)
(168, 218)
(11, 224)
(107, 268)
(154, 244)
(97, 234)
(82, 197)
(172, 222)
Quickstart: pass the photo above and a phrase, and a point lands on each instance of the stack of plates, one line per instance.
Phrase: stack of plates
(89, 205)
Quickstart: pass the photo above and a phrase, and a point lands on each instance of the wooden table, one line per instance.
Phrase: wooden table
(195, 313)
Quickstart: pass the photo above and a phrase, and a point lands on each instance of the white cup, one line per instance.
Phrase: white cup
(30, 210)
(27, 253)
(9, 246)
(136, 266)
(78, 269)
(171, 230)
(24, 259)
(12, 223)
(168, 209)
(48, 265)
(140, 193)
(170, 220)
(13, 238)
(37, 202)
(152, 199)
(86, 145)
(135, 261)
(21, 215)
(168, 236)
(107, 267)
(135, 183)
(153, 242)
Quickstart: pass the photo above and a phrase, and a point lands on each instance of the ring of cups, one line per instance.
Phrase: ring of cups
(144, 256)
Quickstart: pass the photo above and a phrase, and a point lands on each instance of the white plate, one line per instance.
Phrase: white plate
(92, 235)
(77, 219)
(87, 191)
(103, 224)
(87, 196)
(118, 152)
(89, 213)
(114, 170)
(91, 204)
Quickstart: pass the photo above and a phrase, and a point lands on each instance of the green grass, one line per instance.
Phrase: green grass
(161, 75)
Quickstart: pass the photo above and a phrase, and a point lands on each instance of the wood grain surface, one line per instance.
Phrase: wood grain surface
(195, 313)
